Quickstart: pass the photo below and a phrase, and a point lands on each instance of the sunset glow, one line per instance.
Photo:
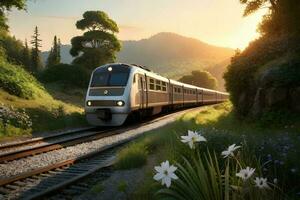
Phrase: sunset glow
(217, 22)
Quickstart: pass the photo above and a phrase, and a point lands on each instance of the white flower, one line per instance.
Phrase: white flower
(261, 182)
(192, 138)
(245, 173)
(230, 150)
(275, 180)
(165, 173)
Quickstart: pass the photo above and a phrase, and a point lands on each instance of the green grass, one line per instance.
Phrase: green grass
(221, 128)
(97, 188)
(132, 156)
(20, 90)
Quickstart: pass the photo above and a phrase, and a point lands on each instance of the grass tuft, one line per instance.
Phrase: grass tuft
(132, 156)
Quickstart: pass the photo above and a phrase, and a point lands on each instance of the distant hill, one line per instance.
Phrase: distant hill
(169, 54)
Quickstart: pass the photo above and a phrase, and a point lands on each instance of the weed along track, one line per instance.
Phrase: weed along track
(41, 174)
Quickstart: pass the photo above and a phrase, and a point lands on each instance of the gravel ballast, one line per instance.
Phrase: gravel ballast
(42, 160)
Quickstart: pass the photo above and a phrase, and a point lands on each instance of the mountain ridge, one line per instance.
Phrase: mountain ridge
(168, 54)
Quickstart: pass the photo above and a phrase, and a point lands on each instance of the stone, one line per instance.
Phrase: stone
(259, 102)
(277, 97)
(295, 99)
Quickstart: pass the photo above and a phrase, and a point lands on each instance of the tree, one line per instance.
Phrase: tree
(200, 79)
(26, 56)
(98, 44)
(36, 62)
(282, 18)
(7, 5)
(54, 55)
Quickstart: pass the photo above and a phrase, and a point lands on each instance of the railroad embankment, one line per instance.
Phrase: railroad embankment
(270, 150)
(27, 106)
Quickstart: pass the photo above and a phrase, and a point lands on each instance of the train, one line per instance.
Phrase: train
(117, 91)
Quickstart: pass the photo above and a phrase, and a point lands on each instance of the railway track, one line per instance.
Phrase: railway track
(42, 145)
(44, 180)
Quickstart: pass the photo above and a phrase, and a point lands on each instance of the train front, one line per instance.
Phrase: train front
(108, 96)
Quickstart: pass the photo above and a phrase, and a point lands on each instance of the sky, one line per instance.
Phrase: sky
(217, 22)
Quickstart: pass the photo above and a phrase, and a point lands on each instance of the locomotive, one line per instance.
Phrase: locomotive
(118, 90)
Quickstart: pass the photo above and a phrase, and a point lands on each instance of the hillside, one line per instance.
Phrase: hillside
(27, 107)
(169, 54)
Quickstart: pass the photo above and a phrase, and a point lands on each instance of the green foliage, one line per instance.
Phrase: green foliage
(36, 62)
(71, 75)
(10, 115)
(200, 79)
(282, 18)
(272, 151)
(132, 157)
(16, 81)
(99, 44)
(94, 20)
(13, 49)
(54, 55)
(265, 63)
(7, 5)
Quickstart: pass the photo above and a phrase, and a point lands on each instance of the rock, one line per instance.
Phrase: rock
(259, 102)
(277, 97)
(295, 99)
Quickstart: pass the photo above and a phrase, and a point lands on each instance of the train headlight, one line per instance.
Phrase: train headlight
(109, 69)
(89, 103)
(120, 103)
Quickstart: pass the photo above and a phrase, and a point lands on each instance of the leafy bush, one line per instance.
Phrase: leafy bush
(201, 79)
(266, 62)
(71, 75)
(16, 81)
(13, 121)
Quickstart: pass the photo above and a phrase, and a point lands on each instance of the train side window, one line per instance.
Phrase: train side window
(179, 90)
(164, 86)
(157, 85)
(151, 84)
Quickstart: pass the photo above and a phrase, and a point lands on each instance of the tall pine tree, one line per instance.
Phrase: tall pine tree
(54, 55)
(36, 62)
(26, 56)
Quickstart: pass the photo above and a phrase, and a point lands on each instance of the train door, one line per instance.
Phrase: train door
(170, 90)
(197, 96)
(182, 89)
(146, 91)
(142, 93)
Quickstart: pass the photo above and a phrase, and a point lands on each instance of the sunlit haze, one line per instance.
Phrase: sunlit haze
(217, 22)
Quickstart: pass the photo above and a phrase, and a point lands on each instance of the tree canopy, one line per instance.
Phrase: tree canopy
(282, 18)
(54, 55)
(98, 44)
(7, 5)
(36, 61)
(201, 79)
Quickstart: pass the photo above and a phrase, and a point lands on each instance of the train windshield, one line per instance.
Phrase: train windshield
(115, 75)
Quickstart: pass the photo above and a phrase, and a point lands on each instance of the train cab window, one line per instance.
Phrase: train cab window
(118, 76)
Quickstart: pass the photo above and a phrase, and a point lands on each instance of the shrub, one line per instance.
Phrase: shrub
(16, 81)
(266, 62)
(71, 75)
